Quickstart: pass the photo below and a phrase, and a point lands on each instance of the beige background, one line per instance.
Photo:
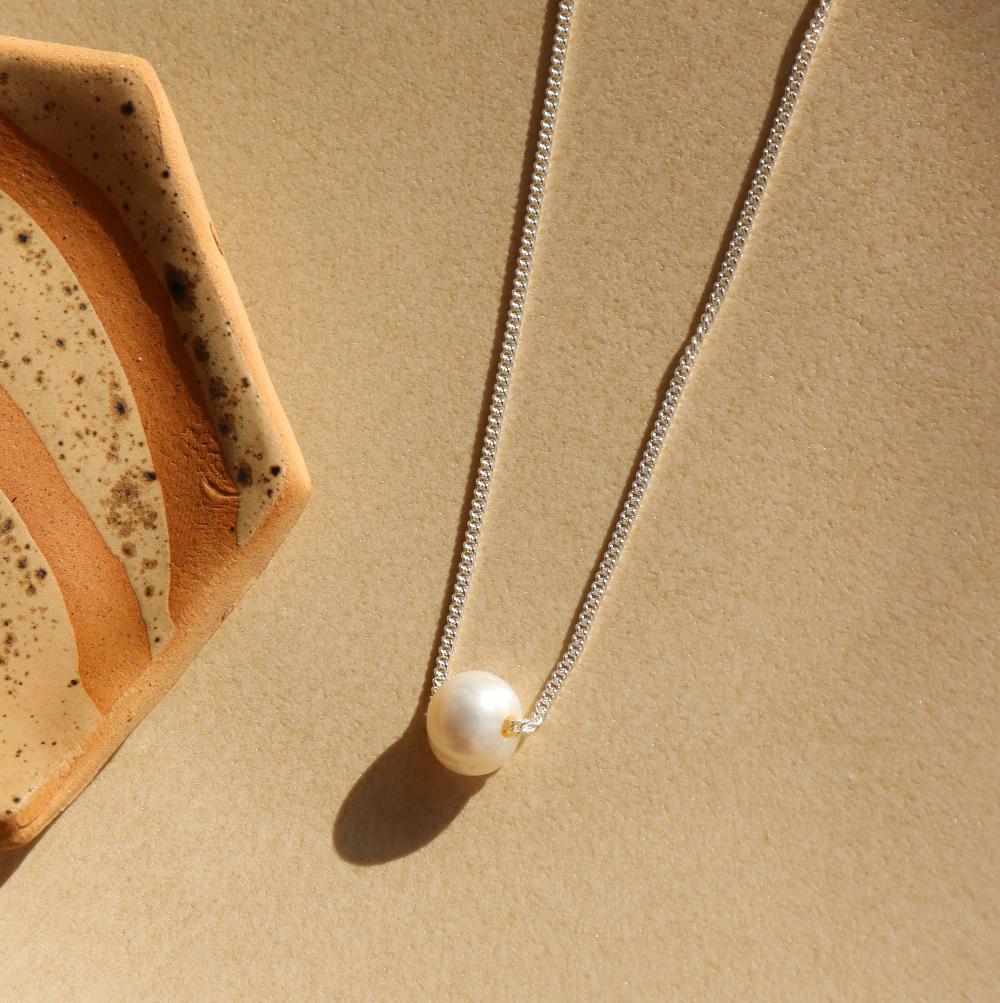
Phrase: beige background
(775, 774)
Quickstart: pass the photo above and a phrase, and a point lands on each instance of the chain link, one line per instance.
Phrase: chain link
(665, 413)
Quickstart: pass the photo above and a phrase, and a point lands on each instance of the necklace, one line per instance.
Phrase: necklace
(474, 719)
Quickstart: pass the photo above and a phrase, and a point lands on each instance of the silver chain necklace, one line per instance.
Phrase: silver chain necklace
(474, 718)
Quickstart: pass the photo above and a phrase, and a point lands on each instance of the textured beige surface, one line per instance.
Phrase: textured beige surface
(775, 776)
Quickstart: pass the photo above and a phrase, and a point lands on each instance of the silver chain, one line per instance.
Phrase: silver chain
(664, 416)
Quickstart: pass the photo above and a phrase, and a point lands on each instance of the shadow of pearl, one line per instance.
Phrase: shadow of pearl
(465, 723)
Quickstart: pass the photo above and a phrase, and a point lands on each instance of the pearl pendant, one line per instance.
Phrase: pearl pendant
(465, 723)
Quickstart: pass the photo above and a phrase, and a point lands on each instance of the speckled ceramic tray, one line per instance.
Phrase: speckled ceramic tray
(147, 472)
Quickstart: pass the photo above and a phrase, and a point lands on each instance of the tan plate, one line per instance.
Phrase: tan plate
(147, 471)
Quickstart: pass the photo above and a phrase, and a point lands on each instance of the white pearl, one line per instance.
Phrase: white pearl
(465, 722)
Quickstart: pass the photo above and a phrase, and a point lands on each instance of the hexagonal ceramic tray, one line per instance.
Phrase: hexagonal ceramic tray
(147, 472)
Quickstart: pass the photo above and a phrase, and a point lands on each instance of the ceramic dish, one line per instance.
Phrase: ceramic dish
(147, 471)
